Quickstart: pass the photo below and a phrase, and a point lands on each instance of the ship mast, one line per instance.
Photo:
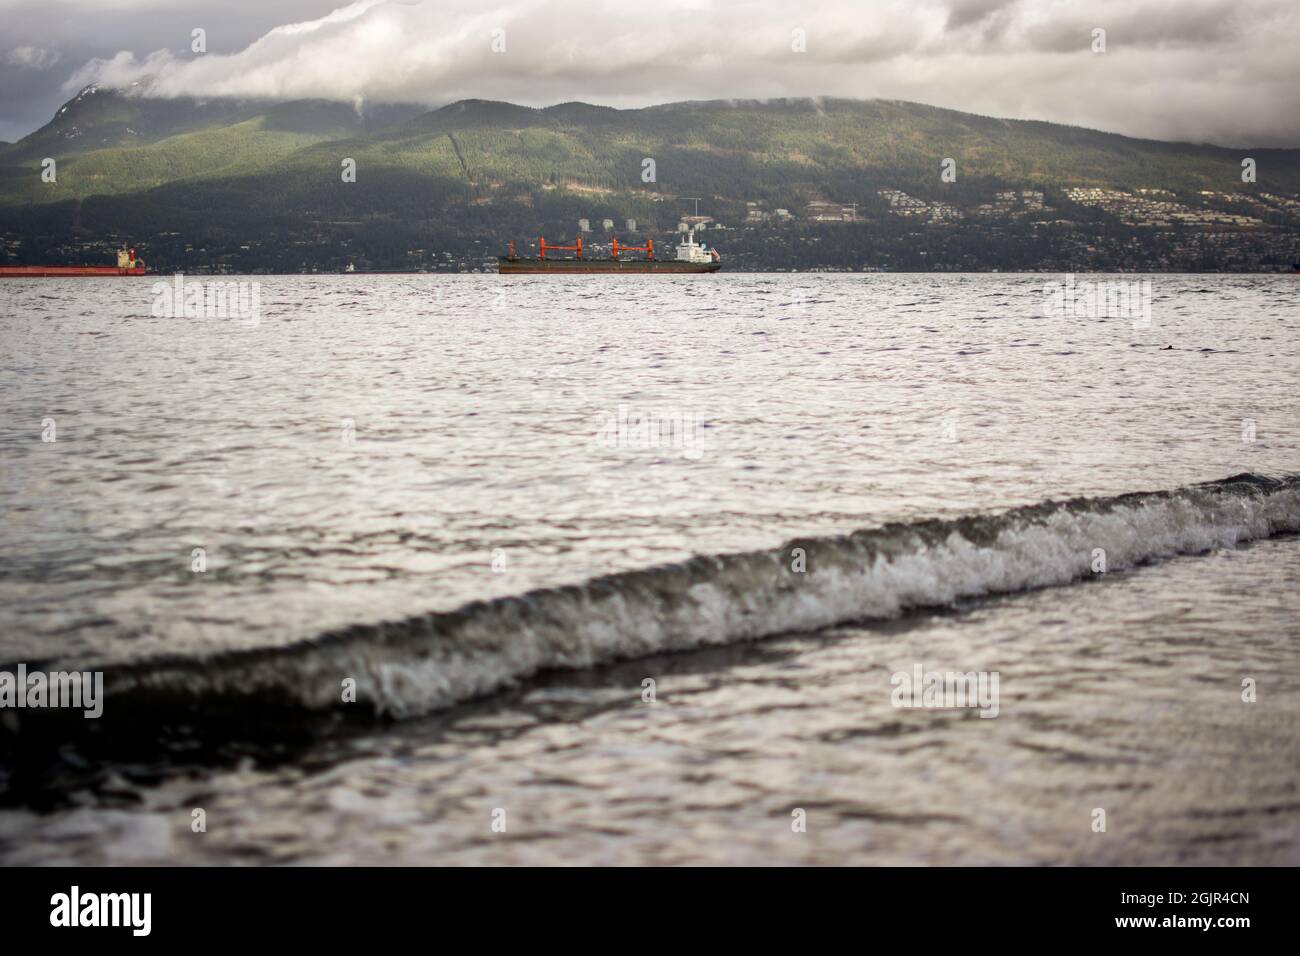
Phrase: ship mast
(690, 229)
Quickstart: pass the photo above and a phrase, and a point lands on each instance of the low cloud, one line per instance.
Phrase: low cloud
(32, 57)
(1204, 70)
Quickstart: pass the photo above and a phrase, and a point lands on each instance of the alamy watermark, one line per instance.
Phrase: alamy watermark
(662, 428)
(216, 299)
(1100, 299)
(80, 690)
(946, 689)
(133, 911)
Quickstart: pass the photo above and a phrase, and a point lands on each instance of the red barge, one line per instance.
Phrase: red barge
(127, 265)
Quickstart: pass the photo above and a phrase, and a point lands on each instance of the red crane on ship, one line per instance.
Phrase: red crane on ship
(575, 248)
(648, 248)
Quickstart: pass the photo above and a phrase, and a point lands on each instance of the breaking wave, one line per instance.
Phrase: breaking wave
(420, 664)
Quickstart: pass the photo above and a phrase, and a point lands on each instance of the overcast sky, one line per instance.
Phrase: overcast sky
(1222, 71)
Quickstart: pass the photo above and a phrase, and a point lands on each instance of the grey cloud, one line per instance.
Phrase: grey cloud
(963, 13)
(32, 57)
(1187, 24)
(1207, 70)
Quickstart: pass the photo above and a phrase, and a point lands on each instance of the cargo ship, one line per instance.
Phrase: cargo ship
(691, 257)
(127, 265)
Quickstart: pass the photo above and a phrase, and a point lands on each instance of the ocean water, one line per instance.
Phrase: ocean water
(499, 508)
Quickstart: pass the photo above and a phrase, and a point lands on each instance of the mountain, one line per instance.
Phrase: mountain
(214, 171)
(99, 118)
(107, 142)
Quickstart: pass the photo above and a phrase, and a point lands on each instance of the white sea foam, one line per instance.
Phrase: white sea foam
(424, 663)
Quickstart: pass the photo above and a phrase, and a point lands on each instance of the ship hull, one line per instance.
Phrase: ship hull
(63, 272)
(508, 266)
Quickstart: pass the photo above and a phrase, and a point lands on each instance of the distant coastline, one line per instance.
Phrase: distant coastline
(244, 187)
